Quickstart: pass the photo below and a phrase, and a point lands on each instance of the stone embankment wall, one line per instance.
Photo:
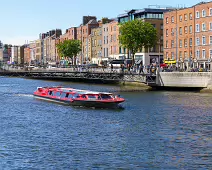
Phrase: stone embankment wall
(185, 79)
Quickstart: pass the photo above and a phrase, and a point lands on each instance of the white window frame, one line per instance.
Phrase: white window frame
(203, 56)
(172, 55)
(197, 14)
(203, 27)
(197, 41)
(185, 29)
(180, 43)
(180, 18)
(172, 18)
(185, 17)
(190, 29)
(185, 42)
(190, 16)
(197, 54)
(210, 12)
(203, 13)
(190, 42)
(210, 26)
(172, 43)
(197, 30)
(185, 54)
(167, 20)
(203, 37)
(210, 53)
(210, 39)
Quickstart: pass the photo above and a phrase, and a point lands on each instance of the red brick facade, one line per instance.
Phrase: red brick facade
(187, 35)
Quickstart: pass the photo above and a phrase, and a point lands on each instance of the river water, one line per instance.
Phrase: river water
(155, 130)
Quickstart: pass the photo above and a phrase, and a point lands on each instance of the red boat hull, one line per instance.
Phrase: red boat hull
(81, 100)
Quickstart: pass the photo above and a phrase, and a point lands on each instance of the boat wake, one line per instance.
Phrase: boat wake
(24, 95)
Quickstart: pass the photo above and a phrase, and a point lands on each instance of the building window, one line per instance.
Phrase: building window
(186, 29)
(180, 30)
(203, 13)
(167, 54)
(166, 43)
(210, 40)
(185, 54)
(210, 26)
(197, 14)
(210, 11)
(161, 48)
(180, 43)
(172, 19)
(203, 40)
(167, 32)
(197, 27)
(197, 41)
(161, 26)
(210, 53)
(185, 43)
(185, 17)
(154, 25)
(172, 44)
(203, 53)
(180, 54)
(197, 54)
(190, 29)
(114, 28)
(167, 20)
(172, 55)
(172, 31)
(203, 27)
(180, 18)
(190, 42)
(190, 16)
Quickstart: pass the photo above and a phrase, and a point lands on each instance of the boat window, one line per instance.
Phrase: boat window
(70, 96)
(76, 96)
(63, 95)
(105, 96)
(91, 97)
(50, 93)
(83, 96)
(57, 94)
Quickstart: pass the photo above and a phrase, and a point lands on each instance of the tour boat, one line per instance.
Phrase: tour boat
(77, 97)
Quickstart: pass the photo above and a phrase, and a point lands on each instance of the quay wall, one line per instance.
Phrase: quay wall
(185, 79)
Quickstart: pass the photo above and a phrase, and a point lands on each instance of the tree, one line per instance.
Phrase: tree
(136, 34)
(69, 48)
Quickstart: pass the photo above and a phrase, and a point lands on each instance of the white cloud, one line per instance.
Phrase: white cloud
(18, 40)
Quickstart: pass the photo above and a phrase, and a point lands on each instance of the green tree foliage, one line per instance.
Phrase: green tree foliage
(69, 48)
(136, 34)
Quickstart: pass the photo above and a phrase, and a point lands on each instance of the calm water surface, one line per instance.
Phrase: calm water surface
(155, 130)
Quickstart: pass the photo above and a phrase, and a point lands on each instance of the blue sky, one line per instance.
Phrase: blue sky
(23, 20)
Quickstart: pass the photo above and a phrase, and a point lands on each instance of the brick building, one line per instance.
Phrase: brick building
(155, 17)
(188, 35)
(96, 45)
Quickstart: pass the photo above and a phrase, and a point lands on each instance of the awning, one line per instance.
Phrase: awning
(170, 61)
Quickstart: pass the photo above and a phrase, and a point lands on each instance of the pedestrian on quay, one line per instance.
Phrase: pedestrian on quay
(111, 67)
(140, 68)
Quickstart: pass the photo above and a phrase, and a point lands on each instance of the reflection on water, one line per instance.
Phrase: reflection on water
(155, 130)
